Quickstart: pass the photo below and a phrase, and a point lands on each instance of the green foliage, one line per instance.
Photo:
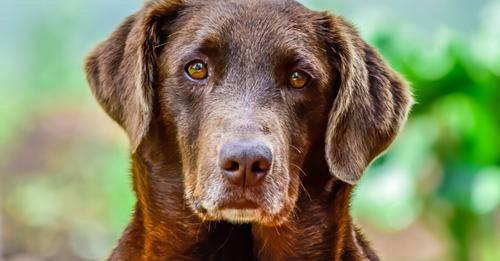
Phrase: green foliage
(445, 166)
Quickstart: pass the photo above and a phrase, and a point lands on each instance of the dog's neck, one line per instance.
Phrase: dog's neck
(321, 228)
(164, 227)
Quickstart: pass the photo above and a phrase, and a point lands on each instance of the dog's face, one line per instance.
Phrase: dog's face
(249, 87)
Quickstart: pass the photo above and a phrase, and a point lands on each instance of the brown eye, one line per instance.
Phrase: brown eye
(197, 70)
(299, 79)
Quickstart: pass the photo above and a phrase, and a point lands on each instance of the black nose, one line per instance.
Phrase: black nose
(245, 163)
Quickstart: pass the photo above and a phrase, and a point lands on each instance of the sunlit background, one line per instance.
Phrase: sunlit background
(64, 185)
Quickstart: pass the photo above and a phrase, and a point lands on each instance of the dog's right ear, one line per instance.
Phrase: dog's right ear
(371, 106)
(121, 70)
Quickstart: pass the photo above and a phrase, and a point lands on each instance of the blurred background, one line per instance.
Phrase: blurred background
(65, 191)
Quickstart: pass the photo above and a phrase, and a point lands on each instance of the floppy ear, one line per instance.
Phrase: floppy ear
(121, 70)
(371, 105)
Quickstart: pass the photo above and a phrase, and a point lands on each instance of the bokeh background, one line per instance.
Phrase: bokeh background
(65, 191)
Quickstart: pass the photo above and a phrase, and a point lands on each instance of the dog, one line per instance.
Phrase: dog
(250, 122)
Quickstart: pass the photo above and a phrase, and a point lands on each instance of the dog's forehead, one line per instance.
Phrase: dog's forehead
(247, 19)
(249, 25)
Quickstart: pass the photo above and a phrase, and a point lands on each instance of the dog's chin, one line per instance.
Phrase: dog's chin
(243, 209)
(245, 216)
(241, 216)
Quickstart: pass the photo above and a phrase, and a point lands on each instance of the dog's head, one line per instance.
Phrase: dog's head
(249, 88)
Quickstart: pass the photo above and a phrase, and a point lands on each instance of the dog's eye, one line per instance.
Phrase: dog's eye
(299, 79)
(197, 70)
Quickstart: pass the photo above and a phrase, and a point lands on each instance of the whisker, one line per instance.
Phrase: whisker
(277, 231)
(203, 220)
(263, 247)
(226, 240)
(305, 191)
(297, 149)
(299, 168)
(302, 185)
(165, 43)
(198, 232)
(160, 45)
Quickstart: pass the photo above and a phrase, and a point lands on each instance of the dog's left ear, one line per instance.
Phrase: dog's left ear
(371, 105)
(121, 71)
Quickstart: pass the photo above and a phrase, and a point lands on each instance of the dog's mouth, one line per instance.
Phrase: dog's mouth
(241, 210)
(241, 204)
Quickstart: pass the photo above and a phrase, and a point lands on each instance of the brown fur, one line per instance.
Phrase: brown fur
(322, 137)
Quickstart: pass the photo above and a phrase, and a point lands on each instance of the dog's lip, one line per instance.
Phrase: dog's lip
(240, 204)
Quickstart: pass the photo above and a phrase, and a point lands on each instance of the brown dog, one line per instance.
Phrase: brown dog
(250, 122)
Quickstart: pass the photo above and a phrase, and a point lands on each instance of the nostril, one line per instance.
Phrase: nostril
(260, 166)
(231, 165)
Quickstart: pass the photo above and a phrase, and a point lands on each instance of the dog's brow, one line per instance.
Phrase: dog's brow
(210, 45)
(302, 57)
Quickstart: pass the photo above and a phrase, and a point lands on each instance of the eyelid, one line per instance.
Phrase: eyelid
(305, 70)
(302, 65)
(190, 58)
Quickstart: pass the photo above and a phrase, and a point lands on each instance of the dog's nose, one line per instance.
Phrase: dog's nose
(245, 163)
